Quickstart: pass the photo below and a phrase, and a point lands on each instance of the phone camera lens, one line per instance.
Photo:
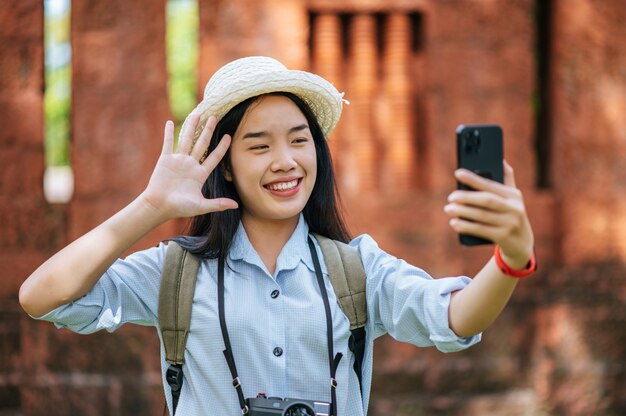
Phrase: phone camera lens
(472, 141)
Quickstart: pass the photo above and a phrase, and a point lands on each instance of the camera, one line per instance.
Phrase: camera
(471, 140)
(269, 406)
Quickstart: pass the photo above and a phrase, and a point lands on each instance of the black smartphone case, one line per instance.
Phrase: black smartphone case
(480, 149)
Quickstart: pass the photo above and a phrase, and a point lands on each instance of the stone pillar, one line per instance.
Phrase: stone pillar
(480, 69)
(229, 30)
(589, 138)
(119, 106)
(360, 137)
(284, 32)
(23, 209)
(327, 53)
(396, 130)
(327, 63)
(233, 29)
(28, 226)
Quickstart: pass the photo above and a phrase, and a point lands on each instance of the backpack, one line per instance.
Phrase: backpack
(178, 280)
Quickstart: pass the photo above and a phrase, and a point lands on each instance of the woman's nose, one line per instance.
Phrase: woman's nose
(283, 159)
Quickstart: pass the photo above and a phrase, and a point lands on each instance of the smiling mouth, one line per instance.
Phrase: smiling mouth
(283, 186)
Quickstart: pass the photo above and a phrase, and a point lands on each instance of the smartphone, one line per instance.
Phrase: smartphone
(480, 149)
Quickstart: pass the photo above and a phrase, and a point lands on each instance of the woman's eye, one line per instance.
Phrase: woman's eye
(259, 147)
(301, 140)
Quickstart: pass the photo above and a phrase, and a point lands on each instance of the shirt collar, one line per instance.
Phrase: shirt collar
(295, 250)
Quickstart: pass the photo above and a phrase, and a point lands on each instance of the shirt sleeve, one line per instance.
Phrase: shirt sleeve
(406, 302)
(127, 292)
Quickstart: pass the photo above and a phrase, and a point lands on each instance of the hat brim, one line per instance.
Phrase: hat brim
(320, 95)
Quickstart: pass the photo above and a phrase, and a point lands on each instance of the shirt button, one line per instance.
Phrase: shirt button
(278, 351)
(275, 294)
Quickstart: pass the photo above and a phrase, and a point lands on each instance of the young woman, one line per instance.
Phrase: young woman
(254, 171)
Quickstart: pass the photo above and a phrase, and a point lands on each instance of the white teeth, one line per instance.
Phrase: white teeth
(283, 186)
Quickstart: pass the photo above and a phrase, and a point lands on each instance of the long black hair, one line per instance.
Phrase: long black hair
(210, 234)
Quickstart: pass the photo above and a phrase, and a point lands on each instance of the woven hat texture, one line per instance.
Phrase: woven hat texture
(256, 75)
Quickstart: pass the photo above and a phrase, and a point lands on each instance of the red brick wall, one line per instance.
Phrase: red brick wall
(559, 346)
(119, 109)
(29, 229)
(119, 100)
(589, 92)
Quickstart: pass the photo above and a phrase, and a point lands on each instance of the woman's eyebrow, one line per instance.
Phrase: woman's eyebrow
(298, 128)
(257, 134)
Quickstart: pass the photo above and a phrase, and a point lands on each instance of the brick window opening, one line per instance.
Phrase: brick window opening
(542, 98)
(182, 20)
(58, 177)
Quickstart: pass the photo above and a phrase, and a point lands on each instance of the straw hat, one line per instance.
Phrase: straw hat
(256, 75)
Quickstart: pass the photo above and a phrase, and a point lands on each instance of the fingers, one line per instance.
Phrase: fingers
(475, 214)
(214, 158)
(489, 232)
(219, 204)
(493, 211)
(168, 138)
(479, 183)
(198, 149)
(509, 174)
(203, 141)
(186, 138)
(485, 200)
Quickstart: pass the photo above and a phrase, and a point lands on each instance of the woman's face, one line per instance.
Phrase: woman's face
(273, 160)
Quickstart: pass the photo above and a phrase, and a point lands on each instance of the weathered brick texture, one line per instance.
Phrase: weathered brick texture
(558, 348)
(480, 68)
(589, 92)
(120, 106)
(23, 219)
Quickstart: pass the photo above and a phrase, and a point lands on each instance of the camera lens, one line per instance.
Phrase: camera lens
(299, 409)
(476, 133)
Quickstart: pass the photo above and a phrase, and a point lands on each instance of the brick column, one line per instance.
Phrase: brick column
(283, 32)
(480, 69)
(234, 29)
(119, 106)
(589, 137)
(28, 226)
(230, 30)
(398, 165)
(363, 78)
(327, 47)
(23, 208)
(327, 63)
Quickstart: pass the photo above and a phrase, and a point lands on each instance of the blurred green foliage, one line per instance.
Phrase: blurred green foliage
(182, 61)
(58, 78)
(182, 57)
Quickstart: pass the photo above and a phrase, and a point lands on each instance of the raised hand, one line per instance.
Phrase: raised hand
(175, 187)
(494, 211)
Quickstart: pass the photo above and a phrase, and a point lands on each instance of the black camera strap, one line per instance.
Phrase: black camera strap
(228, 350)
(333, 361)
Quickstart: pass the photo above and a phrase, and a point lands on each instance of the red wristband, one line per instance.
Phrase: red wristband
(519, 274)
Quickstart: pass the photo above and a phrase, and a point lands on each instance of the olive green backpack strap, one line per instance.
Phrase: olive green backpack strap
(347, 276)
(178, 282)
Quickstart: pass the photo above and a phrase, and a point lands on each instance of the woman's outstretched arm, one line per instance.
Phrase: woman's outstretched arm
(174, 191)
(494, 211)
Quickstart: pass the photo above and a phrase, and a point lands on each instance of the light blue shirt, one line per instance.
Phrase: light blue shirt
(403, 301)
